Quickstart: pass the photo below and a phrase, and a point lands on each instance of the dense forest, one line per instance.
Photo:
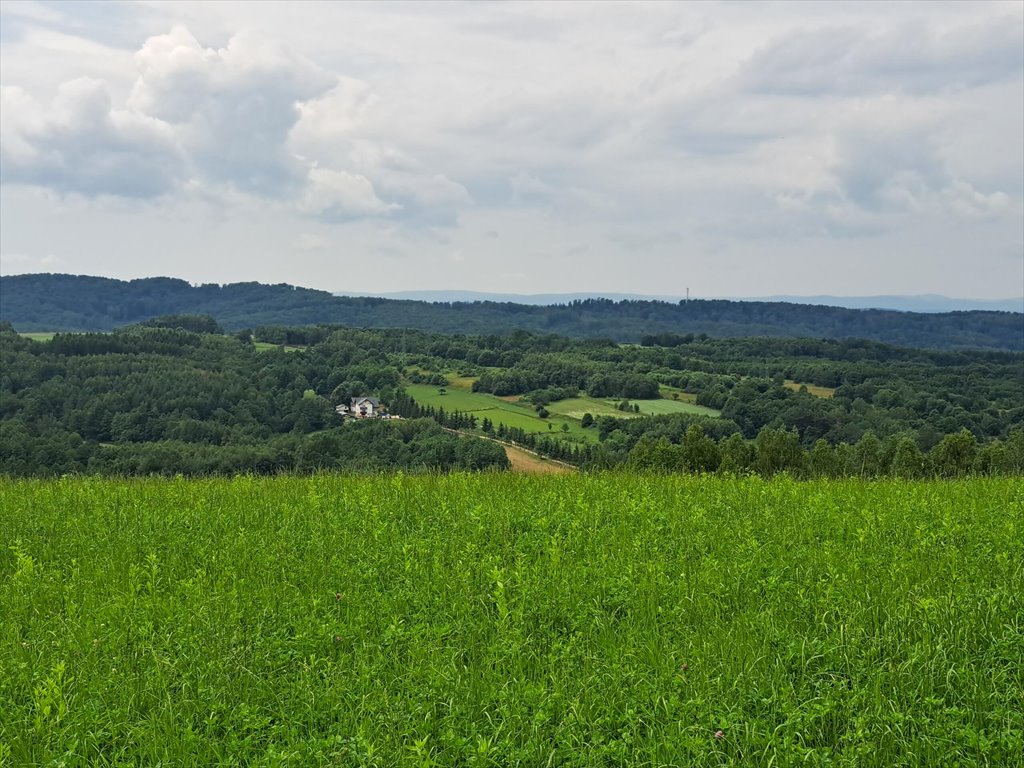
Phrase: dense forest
(50, 302)
(160, 400)
(177, 395)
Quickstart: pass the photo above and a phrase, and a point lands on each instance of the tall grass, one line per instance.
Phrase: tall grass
(495, 620)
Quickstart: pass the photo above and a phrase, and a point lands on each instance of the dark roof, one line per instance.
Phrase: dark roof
(372, 400)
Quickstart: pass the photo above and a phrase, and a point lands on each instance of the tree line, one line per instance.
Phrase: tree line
(174, 394)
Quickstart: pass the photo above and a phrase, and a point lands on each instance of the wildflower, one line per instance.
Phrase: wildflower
(719, 735)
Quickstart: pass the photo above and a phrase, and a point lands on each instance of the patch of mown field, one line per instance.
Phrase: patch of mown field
(508, 620)
(663, 406)
(462, 382)
(39, 335)
(266, 346)
(812, 389)
(575, 407)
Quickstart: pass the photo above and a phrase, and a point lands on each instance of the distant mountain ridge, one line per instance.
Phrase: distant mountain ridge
(54, 302)
(913, 303)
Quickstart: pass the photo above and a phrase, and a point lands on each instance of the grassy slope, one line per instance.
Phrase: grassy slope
(458, 396)
(509, 620)
(497, 410)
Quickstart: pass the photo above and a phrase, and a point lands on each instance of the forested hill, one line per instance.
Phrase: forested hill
(53, 302)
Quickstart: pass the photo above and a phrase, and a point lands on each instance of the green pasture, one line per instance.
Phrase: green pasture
(575, 407)
(521, 416)
(265, 346)
(663, 406)
(812, 389)
(510, 620)
(39, 335)
(674, 393)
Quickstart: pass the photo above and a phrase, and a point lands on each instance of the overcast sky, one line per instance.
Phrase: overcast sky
(735, 148)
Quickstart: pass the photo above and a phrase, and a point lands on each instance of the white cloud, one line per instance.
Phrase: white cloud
(310, 242)
(919, 55)
(708, 140)
(80, 143)
(340, 195)
(30, 10)
(232, 108)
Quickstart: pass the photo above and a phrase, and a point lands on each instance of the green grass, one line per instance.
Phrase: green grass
(458, 396)
(812, 389)
(663, 406)
(265, 346)
(39, 335)
(497, 620)
(518, 415)
(575, 407)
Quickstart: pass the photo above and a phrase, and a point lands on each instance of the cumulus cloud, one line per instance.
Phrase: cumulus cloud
(340, 195)
(252, 117)
(708, 129)
(81, 143)
(231, 108)
(219, 116)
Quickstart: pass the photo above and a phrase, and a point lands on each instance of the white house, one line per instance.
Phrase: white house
(364, 407)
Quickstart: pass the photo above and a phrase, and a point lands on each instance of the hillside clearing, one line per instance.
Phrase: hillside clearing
(531, 464)
(813, 389)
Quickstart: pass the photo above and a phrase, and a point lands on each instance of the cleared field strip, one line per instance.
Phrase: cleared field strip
(39, 335)
(528, 463)
(575, 407)
(266, 346)
(813, 389)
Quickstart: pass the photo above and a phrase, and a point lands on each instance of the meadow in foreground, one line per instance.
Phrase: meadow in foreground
(499, 620)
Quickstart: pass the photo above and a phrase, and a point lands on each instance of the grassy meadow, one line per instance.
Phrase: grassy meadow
(812, 389)
(458, 396)
(506, 620)
(482, 405)
(38, 335)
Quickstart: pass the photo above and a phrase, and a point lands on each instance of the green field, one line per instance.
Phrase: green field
(812, 389)
(521, 416)
(266, 346)
(663, 406)
(500, 620)
(575, 408)
(39, 335)
(458, 396)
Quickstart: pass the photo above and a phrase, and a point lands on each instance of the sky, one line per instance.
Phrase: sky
(734, 149)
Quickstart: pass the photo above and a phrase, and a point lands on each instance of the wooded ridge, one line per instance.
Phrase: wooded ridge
(56, 302)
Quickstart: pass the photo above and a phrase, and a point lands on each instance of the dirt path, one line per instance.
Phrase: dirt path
(522, 459)
(531, 464)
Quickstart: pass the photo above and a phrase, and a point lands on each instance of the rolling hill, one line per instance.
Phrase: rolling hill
(56, 302)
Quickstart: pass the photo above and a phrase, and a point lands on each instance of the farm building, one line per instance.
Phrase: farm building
(362, 408)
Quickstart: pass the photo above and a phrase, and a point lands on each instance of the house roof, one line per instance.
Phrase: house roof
(371, 400)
